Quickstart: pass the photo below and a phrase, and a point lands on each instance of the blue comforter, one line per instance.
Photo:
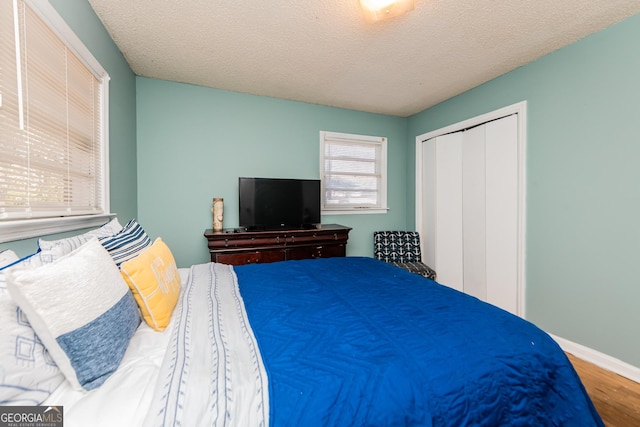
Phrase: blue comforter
(357, 342)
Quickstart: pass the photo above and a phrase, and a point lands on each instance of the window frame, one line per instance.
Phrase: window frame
(15, 229)
(382, 207)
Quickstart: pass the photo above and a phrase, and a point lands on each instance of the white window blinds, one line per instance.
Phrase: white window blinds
(354, 169)
(51, 120)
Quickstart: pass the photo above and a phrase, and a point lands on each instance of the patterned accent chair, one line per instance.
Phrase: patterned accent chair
(402, 249)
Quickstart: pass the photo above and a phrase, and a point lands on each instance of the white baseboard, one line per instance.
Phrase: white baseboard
(600, 359)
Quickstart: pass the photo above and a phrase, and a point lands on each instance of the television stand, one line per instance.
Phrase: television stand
(238, 246)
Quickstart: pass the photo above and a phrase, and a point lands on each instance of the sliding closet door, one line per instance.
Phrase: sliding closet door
(470, 209)
(428, 189)
(502, 212)
(474, 212)
(448, 210)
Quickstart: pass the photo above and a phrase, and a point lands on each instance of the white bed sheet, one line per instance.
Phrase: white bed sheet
(128, 391)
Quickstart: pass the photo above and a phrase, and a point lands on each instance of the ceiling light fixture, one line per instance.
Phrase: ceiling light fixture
(377, 10)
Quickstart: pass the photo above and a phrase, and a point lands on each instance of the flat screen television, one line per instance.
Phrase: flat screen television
(275, 203)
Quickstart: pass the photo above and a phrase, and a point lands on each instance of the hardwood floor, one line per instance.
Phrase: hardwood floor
(616, 398)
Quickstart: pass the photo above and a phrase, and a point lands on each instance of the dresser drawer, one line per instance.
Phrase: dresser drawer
(243, 258)
(319, 251)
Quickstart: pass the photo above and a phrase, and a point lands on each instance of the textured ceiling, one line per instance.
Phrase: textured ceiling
(325, 52)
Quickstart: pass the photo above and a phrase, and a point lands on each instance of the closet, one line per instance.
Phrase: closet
(472, 212)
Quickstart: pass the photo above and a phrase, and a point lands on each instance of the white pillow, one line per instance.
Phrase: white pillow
(74, 242)
(28, 374)
(81, 309)
(7, 257)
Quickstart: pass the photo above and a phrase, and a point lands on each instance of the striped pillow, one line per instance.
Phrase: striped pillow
(128, 243)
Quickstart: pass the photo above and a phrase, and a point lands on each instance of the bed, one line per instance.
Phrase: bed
(330, 342)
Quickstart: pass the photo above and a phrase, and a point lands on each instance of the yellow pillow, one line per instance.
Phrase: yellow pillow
(154, 281)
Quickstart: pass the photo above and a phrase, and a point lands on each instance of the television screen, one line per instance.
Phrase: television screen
(270, 203)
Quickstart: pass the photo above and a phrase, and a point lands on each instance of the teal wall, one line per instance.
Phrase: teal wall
(194, 143)
(122, 112)
(583, 193)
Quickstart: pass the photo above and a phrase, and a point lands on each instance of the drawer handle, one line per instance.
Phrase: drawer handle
(335, 236)
(226, 243)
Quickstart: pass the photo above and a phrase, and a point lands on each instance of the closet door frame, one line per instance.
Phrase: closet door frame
(520, 109)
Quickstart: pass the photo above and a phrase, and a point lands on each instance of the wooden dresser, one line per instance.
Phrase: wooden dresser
(238, 247)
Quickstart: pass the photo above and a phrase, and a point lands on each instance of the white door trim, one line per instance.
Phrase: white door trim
(520, 109)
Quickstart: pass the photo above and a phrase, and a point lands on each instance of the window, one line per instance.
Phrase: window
(354, 173)
(53, 138)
